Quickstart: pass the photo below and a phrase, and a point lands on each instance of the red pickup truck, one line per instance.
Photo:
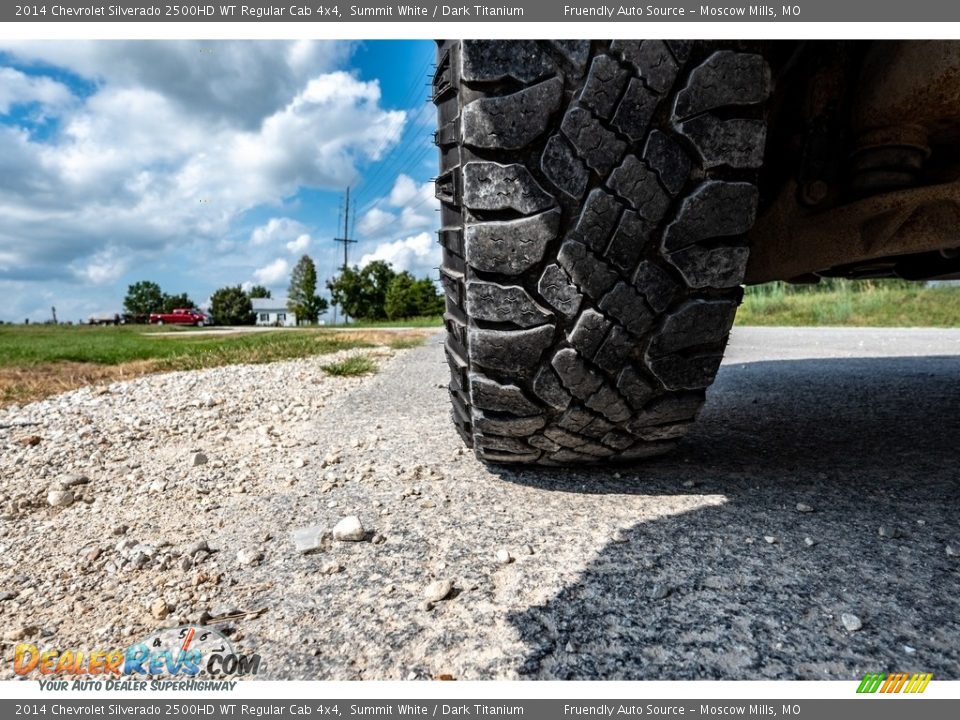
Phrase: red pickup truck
(179, 316)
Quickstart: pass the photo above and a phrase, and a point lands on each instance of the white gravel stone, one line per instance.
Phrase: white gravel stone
(851, 622)
(659, 591)
(504, 557)
(809, 541)
(770, 539)
(249, 556)
(953, 549)
(349, 529)
(889, 531)
(331, 567)
(60, 498)
(311, 539)
(804, 508)
(438, 590)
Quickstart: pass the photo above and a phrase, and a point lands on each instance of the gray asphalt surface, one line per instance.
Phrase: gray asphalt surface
(861, 425)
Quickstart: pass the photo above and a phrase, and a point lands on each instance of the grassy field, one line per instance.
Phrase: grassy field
(40, 360)
(429, 321)
(864, 303)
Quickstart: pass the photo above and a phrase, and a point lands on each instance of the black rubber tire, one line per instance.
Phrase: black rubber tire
(594, 200)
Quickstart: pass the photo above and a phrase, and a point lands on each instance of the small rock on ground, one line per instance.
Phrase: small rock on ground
(438, 590)
(311, 539)
(349, 529)
(851, 622)
(60, 498)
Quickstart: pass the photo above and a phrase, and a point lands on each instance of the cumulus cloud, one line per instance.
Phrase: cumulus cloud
(419, 254)
(410, 206)
(236, 81)
(299, 243)
(403, 191)
(169, 145)
(273, 274)
(374, 221)
(277, 230)
(104, 267)
(19, 88)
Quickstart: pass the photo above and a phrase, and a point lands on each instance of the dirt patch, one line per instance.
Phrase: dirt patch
(23, 385)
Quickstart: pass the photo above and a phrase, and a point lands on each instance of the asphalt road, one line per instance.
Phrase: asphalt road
(696, 565)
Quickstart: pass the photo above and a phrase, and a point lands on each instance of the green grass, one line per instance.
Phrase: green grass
(863, 303)
(37, 361)
(415, 322)
(356, 365)
(406, 342)
(27, 345)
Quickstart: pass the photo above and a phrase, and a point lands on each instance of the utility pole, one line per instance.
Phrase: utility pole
(346, 231)
(345, 240)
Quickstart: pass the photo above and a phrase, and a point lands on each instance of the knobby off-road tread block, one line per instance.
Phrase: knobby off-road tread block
(594, 202)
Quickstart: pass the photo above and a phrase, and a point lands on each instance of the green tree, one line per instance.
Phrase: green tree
(258, 291)
(171, 302)
(232, 306)
(401, 300)
(302, 298)
(430, 300)
(363, 293)
(143, 298)
(408, 297)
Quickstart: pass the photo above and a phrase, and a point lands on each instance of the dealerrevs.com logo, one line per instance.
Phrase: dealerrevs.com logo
(189, 657)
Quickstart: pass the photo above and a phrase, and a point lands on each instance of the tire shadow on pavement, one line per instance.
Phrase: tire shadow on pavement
(842, 493)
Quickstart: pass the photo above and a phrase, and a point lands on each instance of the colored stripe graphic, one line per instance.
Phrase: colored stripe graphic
(870, 683)
(894, 683)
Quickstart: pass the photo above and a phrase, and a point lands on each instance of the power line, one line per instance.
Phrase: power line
(387, 169)
(407, 102)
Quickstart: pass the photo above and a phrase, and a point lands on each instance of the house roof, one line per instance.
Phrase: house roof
(269, 304)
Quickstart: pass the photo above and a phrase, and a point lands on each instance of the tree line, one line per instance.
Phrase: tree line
(375, 292)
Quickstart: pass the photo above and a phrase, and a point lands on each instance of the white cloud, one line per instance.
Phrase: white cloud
(419, 254)
(299, 244)
(104, 267)
(403, 191)
(277, 230)
(17, 87)
(273, 274)
(375, 221)
(141, 163)
(238, 81)
(417, 205)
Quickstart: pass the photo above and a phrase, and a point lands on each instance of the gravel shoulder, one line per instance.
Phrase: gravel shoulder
(819, 487)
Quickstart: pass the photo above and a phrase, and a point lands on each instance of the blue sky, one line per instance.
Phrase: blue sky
(202, 164)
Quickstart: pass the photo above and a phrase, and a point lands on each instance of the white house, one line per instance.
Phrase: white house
(273, 311)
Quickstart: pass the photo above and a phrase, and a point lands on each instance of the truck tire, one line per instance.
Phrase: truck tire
(594, 201)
